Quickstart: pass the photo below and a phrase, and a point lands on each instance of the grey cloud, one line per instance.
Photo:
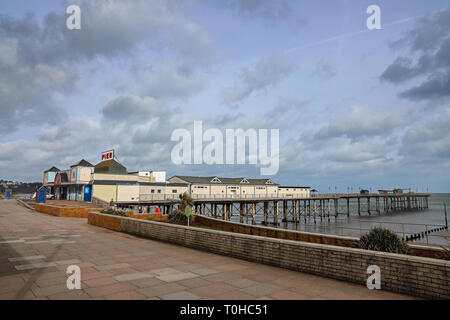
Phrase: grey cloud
(430, 140)
(266, 73)
(435, 87)
(40, 61)
(355, 152)
(168, 81)
(362, 121)
(428, 44)
(130, 108)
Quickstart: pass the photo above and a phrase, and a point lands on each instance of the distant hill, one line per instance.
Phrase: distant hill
(19, 187)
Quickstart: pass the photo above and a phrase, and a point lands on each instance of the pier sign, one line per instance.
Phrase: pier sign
(108, 155)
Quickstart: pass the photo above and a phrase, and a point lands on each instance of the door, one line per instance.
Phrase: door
(42, 196)
(87, 193)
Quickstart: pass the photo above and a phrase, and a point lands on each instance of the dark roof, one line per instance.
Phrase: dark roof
(82, 163)
(110, 166)
(208, 180)
(295, 187)
(52, 169)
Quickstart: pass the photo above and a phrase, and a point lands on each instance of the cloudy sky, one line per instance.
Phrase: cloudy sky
(355, 107)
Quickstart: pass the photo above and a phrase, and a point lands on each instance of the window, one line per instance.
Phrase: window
(152, 191)
(159, 190)
(216, 180)
(174, 191)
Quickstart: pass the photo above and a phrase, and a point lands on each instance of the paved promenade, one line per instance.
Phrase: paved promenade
(35, 250)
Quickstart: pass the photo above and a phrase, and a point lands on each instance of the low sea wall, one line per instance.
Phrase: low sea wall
(335, 240)
(416, 276)
(64, 211)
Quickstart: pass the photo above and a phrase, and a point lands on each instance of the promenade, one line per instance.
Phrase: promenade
(35, 250)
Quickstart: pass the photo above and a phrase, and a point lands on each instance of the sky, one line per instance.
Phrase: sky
(355, 108)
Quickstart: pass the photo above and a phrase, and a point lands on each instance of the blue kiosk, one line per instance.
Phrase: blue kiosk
(41, 195)
(8, 194)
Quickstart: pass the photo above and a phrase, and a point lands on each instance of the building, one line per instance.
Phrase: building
(159, 176)
(227, 187)
(49, 178)
(294, 191)
(109, 180)
(74, 183)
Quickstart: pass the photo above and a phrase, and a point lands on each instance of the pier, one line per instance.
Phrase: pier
(318, 207)
(274, 209)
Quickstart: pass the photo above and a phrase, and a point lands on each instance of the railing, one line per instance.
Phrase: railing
(157, 197)
(167, 197)
(239, 196)
(163, 197)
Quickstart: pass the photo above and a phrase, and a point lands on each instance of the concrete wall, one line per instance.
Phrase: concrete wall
(423, 277)
(128, 193)
(104, 192)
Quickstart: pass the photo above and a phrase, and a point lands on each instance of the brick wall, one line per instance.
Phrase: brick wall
(64, 211)
(417, 276)
(336, 240)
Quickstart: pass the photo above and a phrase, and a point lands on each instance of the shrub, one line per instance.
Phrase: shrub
(114, 212)
(177, 217)
(380, 239)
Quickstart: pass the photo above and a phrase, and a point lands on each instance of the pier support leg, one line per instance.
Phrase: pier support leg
(336, 208)
(368, 205)
(253, 213)
(304, 210)
(329, 209)
(275, 211)
(314, 211)
(266, 212)
(359, 206)
(348, 207)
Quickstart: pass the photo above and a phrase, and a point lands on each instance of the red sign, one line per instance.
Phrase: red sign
(108, 155)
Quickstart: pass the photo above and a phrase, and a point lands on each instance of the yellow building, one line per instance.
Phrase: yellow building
(219, 187)
(294, 191)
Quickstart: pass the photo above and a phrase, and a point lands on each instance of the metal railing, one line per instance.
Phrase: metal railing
(163, 197)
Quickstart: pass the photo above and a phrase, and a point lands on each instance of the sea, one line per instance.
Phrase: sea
(404, 223)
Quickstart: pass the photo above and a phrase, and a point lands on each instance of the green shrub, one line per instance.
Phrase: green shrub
(114, 212)
(177, 217)
(380, 239)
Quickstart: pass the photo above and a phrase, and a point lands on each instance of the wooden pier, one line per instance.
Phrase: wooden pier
(275, 209)
(320, 207)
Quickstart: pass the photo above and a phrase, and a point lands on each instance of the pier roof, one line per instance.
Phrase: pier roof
(224, 180)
